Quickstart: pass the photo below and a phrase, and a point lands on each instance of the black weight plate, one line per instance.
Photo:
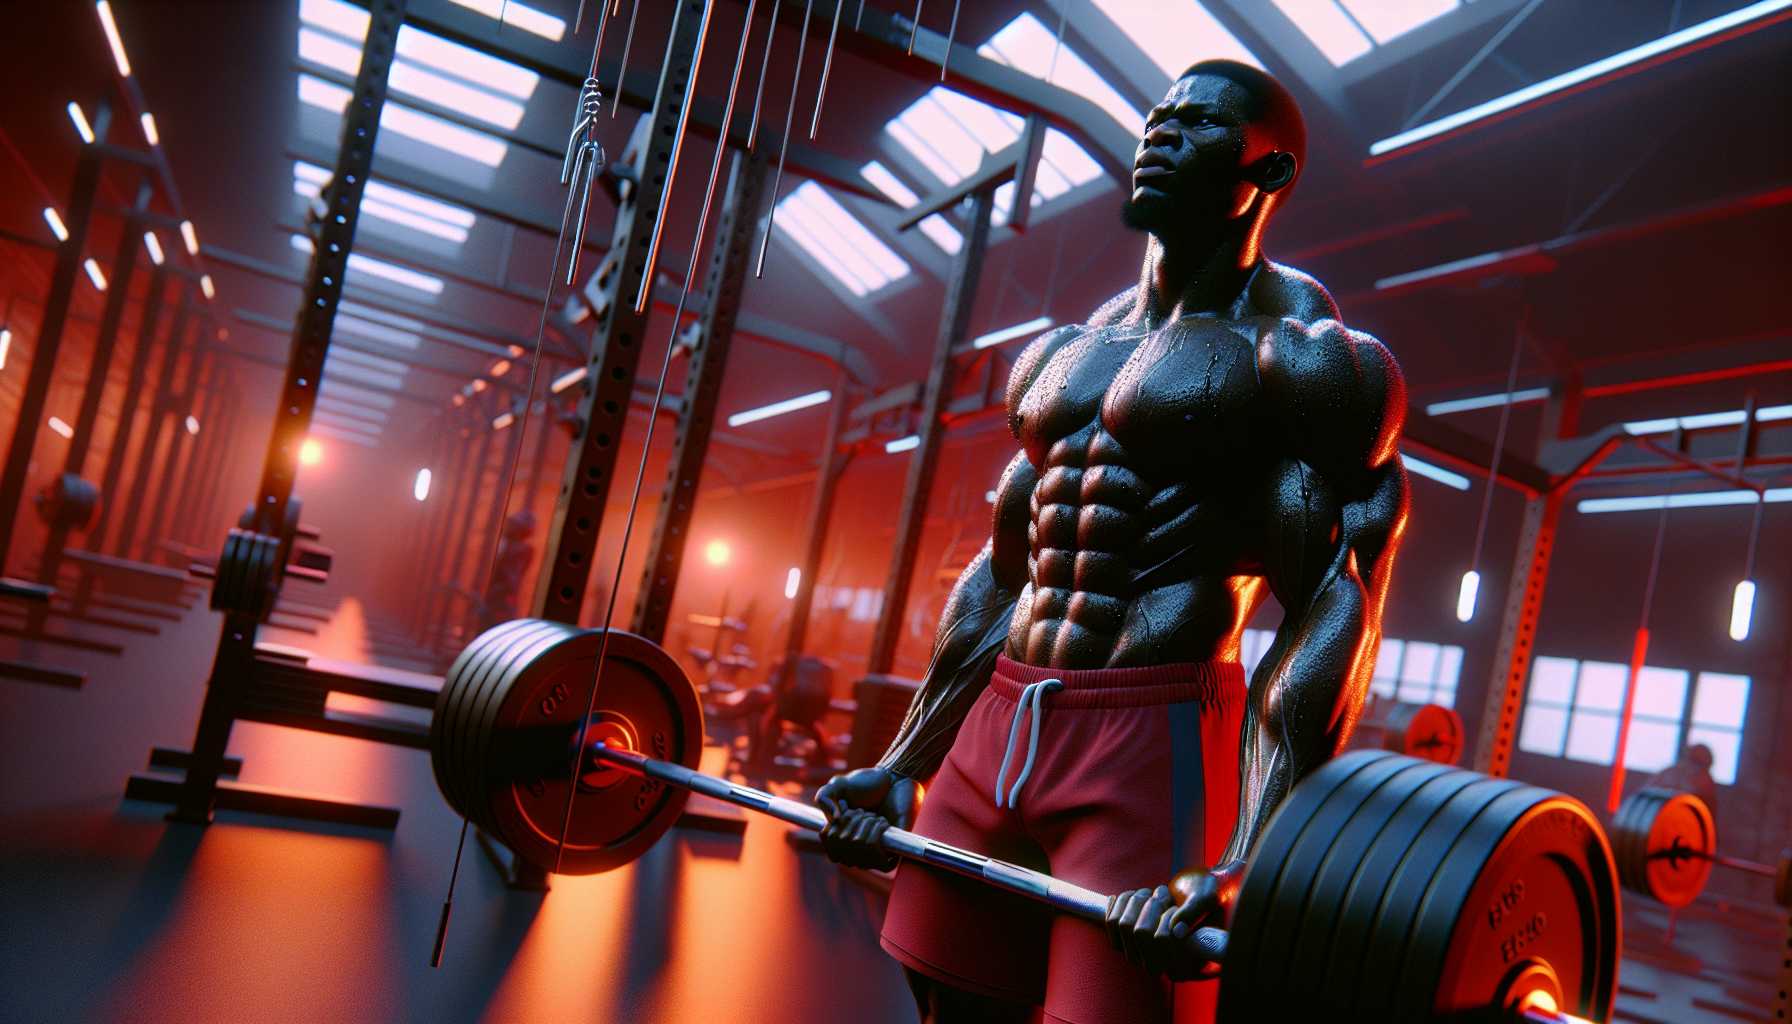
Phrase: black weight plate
(1288, 902)
(1301, 985)
(1531, 879)
(1399, 903)
(642, 686)
(1355, 913)
(509, 650)
(1252, 908)
(228, 568)
(518, 656)
(1628, 831)
(447, 723)
(264, 582)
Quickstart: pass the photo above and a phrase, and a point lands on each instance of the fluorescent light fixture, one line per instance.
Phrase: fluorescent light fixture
(716, 552)
(1704, 420)
(1438, 473)
(192, 425)
(1697, 500)
(93, 274)
(310, 452)
(78, 116)
(154, 245)
(567, 380)
(1742, 609)
(502, 420)
(903, 444)
(150, 135)
(1487, 401)
(1634, 56)
(500, 368)
(350, 324)
(792, 581)
(398, 275)
(5, 346)
(1465, 597)
(478, 385)
(526, 18)
(60, 427)
(189, 237)
(205, 285)
(1033, 326)
(420, 489)
(111, 27)
(778, 408)
(57, 228)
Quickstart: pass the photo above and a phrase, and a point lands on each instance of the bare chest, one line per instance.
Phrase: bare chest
(1172, 404)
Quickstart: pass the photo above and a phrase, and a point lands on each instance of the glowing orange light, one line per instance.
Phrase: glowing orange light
(310, 453)
(717, 552)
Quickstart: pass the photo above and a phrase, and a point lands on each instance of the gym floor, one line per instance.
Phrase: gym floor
(107, 913)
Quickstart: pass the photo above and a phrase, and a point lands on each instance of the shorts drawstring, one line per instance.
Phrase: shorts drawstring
(1030, 698)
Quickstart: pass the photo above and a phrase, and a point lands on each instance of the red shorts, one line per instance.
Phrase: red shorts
(1134, 779)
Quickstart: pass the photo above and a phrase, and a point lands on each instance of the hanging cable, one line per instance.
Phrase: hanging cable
(914, 31)
(827, 65)
(796, 78)
(1471, 580)
(771, 33)
(951, 33)
(1640, 649)
(628, 43)
(659, 393)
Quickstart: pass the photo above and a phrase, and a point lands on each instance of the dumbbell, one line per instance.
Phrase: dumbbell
(1665, 844)
(1384, 888)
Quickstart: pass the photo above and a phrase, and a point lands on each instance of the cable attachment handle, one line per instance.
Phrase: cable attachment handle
(583, 156)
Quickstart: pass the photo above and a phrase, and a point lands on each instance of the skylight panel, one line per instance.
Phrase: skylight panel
(478, 103)
(1174, 33)
(935, 227)
(421, 47)
(367, 265)
(475, 146)
(1332, 30)
(345, 20)
(835, 239)
(950, 133)
(1027, 45)
(396, 205)
(1387, 19)
(526, 18)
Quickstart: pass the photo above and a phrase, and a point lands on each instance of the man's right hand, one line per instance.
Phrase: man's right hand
(860, 806)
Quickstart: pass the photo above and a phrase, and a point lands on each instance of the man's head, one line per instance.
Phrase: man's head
(1699, 754)
(1225, 134)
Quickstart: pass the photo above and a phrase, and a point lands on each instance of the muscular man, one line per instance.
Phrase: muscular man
(1210, 437)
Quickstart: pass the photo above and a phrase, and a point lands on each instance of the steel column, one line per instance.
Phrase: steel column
(119, 449)
(571, 539)
(341, 201)
(161, 409)
(821, 509)
(466, 496)
(1524, 595)
(49, 334)
(180, 442)
(955, 320)
(729, 257)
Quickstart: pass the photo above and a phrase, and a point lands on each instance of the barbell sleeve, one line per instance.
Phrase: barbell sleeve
(1071, 899)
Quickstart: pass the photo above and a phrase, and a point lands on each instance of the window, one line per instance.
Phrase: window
(1410, 671)
(936, 227)
(834, 238)
(949, 134)
(428, 67)
(1027, 45)
(1344, 30)
(1174, 33)
(1573, 708)
(1717, 713)
(393, 205)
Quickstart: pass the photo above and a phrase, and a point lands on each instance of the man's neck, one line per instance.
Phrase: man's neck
(1186, 276)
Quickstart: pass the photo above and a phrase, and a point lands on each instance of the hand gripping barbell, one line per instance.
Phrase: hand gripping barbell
(1384, 888)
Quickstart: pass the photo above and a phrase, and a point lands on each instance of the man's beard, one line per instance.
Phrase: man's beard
(1153, 211)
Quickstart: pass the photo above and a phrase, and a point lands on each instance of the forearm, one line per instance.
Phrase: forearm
(971, 634)
(1303, 703)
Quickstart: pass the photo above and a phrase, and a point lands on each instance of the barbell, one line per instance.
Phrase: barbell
(254, 564)
(1430, 731)
(1665, 843)
(1384, 888)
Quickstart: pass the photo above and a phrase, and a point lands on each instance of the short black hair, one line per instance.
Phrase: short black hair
(1273, 111)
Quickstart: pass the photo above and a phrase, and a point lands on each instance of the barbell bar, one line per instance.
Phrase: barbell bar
(1665, 844)
(1384, 888)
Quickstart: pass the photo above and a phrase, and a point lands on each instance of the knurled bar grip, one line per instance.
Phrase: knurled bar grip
(1072, 899)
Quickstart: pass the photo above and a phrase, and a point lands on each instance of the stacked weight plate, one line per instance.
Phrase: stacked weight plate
(501, 741)
(1663, 841)
(1393, 889)
(246, 580)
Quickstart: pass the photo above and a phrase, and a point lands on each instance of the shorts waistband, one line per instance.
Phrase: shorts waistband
(1210, 682)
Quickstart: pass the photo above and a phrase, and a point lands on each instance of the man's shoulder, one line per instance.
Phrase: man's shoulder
(1287, 293)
